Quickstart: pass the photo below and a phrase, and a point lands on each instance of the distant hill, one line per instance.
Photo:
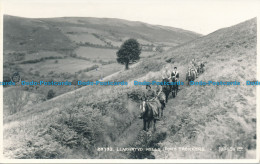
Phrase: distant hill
(24, 34)
(29, 34)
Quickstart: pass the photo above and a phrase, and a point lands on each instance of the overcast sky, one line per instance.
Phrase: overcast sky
(202, 16)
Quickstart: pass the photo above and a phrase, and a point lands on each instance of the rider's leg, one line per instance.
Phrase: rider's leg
(156, 114)
(142, 110)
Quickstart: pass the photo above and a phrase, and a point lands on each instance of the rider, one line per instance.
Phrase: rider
(166, 73)
(161, 95)
(149, 96)
(193, 66)
(175, 75)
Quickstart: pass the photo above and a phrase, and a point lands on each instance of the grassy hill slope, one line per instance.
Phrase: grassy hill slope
(23, 34)
(26, 34)
(216, 117)
(76, 124)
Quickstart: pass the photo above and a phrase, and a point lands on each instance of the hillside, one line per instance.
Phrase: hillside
(76, 124)
(26, 34)
(216, 116)
(32, 35)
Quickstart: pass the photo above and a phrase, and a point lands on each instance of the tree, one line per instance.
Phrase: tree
(50, 94)
(16, 99)
(129, 52)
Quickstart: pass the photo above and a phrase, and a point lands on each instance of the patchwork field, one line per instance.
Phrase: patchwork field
(43, 54)
(70, 65)
(97, 53)
(86, 38)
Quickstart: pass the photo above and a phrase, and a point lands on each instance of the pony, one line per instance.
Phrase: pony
(148, 115)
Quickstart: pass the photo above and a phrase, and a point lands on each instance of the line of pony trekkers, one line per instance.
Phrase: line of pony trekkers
(154, 101)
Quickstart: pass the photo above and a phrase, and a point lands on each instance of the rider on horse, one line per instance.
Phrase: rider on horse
(175, 74)
(149, 97)
(193, 66)
(160, 94)
(166, 74)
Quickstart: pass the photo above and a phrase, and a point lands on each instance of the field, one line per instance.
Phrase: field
(42, 54)
(60, 67)
(103, 54)
(96, 53)
(86, 38)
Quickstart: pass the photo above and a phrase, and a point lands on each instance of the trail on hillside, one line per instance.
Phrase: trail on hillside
(133, 133)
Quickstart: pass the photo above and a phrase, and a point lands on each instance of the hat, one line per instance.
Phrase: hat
(175, 67)
(148, 86)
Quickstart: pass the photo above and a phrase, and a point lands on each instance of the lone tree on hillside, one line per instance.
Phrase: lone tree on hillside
(129, 52)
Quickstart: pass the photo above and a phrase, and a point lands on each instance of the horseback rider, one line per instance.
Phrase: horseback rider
(161, 95)
(166, 74)
(150, 96)
(193, 66)
(175, 74)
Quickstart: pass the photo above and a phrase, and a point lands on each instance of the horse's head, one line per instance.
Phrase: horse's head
(142, 106)
(165, 80)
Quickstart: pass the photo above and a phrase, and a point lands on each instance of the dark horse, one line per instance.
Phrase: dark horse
(190, 76)
(166, 88)
(174, 87)
(148, 114)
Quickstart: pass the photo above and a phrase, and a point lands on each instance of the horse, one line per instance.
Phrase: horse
(190, 76)
(174, 87)
(166, 88)
(148, 114)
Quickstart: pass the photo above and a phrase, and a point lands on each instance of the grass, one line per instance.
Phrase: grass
(222, 116)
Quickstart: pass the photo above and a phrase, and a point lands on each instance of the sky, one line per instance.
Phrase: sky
(201, 16)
